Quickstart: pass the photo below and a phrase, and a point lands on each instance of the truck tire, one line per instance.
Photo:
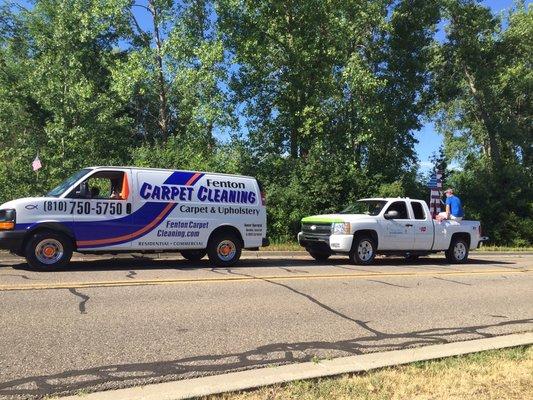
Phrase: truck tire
(363, 250)
(224, 249)
(458, 251)
(319, 256)
(193, 255)
(46, 251)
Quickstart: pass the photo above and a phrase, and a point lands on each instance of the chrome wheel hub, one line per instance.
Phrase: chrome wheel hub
(226, 250)
(459, 251)
(365, 250)
(49, 251)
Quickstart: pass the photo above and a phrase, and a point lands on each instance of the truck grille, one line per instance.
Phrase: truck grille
(317, 229)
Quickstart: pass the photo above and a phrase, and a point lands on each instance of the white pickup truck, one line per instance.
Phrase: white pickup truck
(390, 226)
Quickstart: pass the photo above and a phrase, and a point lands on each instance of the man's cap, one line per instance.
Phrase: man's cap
(449, 190)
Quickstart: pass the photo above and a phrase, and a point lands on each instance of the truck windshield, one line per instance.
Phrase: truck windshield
(367, 207)
(67, 183)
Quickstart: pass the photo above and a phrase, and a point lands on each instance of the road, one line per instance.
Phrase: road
(108, 323)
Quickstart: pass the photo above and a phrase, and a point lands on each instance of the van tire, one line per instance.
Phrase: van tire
(47, 251)
(193, 255)
(363, 250)
(319, 256)
(221, 243)
(458, 251)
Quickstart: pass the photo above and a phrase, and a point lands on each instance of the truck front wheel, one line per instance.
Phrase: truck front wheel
(458, 251)
(363, 251)
(46, 251)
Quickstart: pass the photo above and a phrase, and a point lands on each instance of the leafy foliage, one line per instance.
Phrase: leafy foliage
(319, 99)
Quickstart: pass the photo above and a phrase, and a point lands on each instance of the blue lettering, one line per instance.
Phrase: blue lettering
(165, 195)
(202, 195)
(156, 193)
(174, 192)
(145, 194)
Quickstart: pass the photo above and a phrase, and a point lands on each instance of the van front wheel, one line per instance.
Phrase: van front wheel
(47, 251)
(224, 249)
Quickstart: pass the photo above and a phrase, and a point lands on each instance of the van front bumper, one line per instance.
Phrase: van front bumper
(11, 240)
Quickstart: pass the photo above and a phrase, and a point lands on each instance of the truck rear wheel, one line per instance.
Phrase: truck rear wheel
(458, 251)
(363, 250)
(46, 251)
(193, 255)
(224, 249)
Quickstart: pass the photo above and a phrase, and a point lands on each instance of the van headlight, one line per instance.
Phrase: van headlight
(340, 228)
(7, 219)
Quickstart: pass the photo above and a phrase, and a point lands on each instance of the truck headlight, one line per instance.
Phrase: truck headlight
(7, 219)
(340, 228)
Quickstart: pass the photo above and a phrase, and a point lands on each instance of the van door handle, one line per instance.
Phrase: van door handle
(128, 208)
(409, 225)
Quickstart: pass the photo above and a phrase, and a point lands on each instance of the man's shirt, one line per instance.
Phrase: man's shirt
(455, 206)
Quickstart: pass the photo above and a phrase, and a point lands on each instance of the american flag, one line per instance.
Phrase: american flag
(433, 182)
(36, 164)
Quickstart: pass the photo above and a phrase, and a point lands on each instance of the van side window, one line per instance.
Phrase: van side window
(105, 185)
(401, 207)
(418, 210)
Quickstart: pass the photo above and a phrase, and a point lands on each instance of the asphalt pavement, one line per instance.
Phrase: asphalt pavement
(106, 323)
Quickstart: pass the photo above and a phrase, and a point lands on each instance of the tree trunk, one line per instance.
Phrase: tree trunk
(492, 145)
(162, 91)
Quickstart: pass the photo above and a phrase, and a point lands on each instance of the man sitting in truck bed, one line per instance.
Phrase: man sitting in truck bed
(454, 209)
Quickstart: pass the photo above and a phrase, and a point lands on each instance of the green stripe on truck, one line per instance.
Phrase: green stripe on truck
(317, 219)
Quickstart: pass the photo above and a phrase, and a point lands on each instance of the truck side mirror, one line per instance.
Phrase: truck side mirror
(391, 214)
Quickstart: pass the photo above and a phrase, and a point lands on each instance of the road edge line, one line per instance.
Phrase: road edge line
(254, 378)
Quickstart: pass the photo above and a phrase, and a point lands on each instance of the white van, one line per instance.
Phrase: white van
(126, 209)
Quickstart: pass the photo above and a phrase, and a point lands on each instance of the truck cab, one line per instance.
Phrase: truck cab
(390, 226)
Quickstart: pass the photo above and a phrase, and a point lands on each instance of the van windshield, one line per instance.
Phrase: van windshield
(367, 207)
(67, 183)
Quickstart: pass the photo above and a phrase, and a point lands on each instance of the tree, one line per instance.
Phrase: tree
(482, 75)
(55, 79)
(172, 73)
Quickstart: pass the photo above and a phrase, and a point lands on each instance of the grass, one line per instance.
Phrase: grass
(505, 248)
(293, 246)
(499, 374)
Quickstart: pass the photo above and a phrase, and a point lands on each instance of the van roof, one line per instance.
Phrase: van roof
(166, 170)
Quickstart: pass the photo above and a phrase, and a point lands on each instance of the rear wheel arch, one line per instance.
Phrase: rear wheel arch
(226, 229)
(461, 235)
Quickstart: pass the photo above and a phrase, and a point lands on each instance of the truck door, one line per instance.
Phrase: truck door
(101, 208)
(398, 232)
(422, 227)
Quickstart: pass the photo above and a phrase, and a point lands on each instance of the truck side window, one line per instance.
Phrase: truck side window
(401, 207)
(418, 210)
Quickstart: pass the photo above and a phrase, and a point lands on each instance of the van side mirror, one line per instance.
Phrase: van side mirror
(391, 214)
(82, 191)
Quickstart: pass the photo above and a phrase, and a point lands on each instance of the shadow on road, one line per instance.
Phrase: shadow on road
(142, 263)
(109, 376)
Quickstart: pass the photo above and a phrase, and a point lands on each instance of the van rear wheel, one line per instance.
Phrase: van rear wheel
(224, 249)
(193, 255)
(46, 251)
